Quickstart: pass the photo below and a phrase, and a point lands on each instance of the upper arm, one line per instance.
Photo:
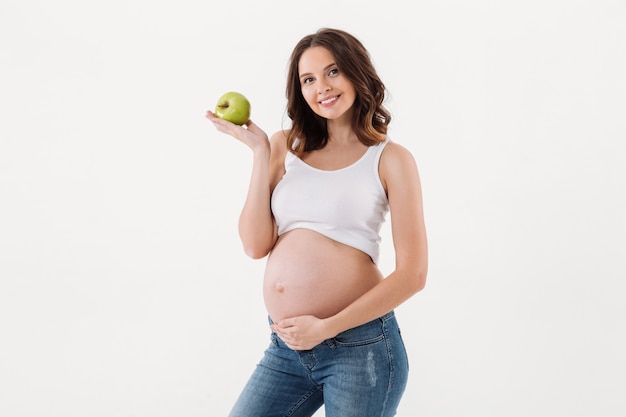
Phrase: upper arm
(401, 179)
(257, 225)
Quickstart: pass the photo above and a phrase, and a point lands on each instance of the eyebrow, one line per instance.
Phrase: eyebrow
(325, 68)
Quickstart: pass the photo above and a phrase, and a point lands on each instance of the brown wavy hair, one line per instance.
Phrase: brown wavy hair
(370, 118)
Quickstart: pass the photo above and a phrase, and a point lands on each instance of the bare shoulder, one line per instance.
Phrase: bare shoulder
(396, 159)
(398, 168)
(278, 145)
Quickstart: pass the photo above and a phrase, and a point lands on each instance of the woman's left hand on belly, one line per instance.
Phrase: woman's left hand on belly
(302, 332)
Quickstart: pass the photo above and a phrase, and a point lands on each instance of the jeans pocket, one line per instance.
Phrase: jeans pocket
(366, 334)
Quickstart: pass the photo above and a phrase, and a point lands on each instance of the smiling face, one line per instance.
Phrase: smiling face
(326, 90)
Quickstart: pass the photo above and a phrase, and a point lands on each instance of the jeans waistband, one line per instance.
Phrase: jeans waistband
(382, 318)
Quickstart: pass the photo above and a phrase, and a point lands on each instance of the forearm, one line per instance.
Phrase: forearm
(390, 293)
(256, 225)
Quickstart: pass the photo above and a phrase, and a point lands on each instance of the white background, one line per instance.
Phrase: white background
(124, 290)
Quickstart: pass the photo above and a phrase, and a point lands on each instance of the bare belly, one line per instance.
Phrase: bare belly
(308, 273)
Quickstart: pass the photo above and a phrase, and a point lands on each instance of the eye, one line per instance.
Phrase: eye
(307, 80)
(333, 72)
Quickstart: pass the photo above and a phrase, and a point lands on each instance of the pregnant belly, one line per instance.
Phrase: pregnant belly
(308, 273)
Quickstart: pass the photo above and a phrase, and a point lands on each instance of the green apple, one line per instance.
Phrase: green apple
(234, 107)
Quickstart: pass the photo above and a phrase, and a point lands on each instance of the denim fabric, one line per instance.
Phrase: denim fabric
(361, 372)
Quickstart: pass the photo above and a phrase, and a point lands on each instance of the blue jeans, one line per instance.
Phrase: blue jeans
(361, 372)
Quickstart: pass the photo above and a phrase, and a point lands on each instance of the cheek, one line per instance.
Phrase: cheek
(349, 89)
(310, 99)
(309, 96)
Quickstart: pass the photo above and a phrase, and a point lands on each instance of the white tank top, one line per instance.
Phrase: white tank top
(348, 205)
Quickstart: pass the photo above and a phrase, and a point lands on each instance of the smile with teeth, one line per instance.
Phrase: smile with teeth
(329, 100)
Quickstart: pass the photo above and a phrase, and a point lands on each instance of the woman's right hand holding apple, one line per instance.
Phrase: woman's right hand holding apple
(249, 133)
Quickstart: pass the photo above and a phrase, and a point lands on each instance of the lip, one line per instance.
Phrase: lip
(329, 101)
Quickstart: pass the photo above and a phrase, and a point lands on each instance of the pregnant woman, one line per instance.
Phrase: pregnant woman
(319, 193)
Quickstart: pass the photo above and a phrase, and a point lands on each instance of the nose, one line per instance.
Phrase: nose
(323, 87)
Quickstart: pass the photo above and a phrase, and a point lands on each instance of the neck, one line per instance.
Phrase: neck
(340, 133)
